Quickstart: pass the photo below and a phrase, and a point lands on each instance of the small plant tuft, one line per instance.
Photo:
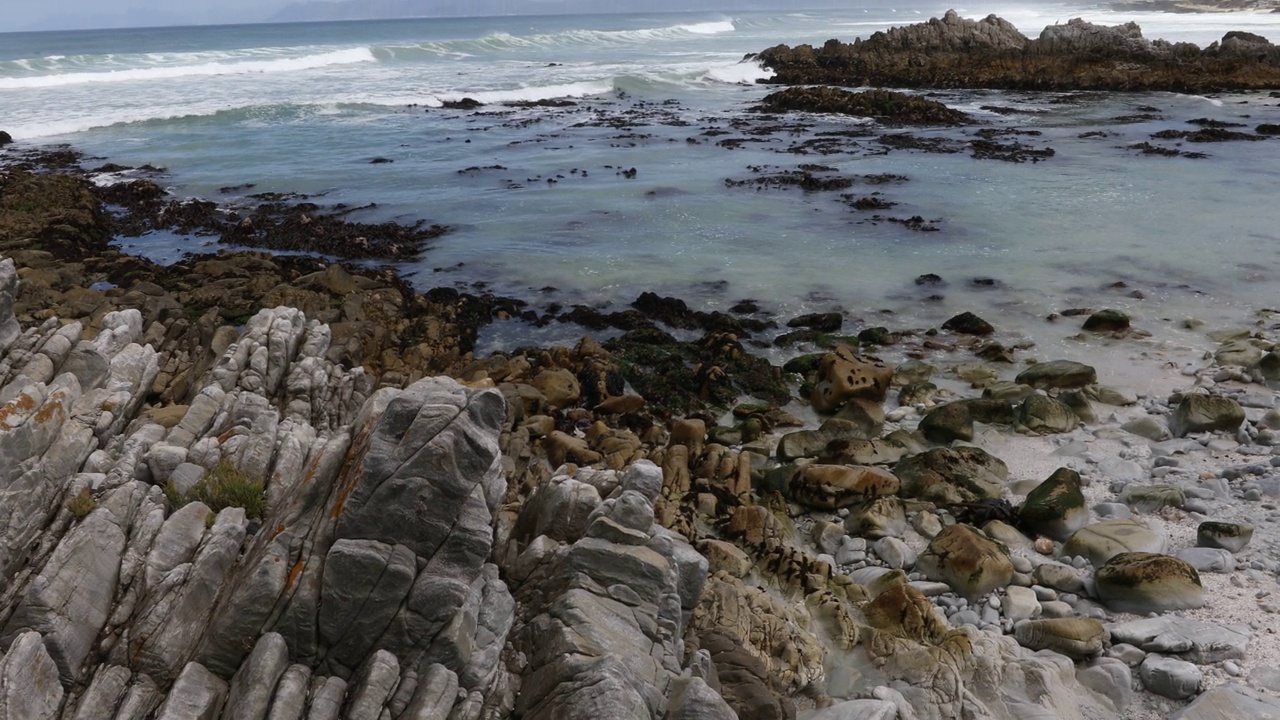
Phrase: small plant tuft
(82, 504)
(222, 487)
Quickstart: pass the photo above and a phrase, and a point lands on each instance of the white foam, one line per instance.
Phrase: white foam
(526, 94)
(709, 28)
(306, 62)
(739, 73)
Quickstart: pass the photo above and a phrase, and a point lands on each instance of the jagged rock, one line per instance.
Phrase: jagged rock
(951, 475)
(1140, 583)
(1228, 536)
(1194, 640)
(969, 562)
(1199, 412)
(1056, 507)
(828, 487)
(1061, 374)
(877, 518)
(843, 374)
(29, 687)
(1077, 638)
(197, 694)
(1101, 541)
(886, 106)
(1170, 677)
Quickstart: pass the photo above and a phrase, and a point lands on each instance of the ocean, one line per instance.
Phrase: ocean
(624, 189)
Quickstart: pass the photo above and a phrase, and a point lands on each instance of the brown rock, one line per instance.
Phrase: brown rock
(972, 564)
(843, 374)
(828, 487)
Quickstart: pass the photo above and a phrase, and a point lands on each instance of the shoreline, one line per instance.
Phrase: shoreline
(776, 541)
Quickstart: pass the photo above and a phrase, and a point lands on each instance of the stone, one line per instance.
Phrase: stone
(855, 710)
(692, 699)
(1059, 577)
(1055, 508)
(1212, 560)
(947, 423)
(1077, 638)
(1198, 641)
(1102, 541)
(1230, 702)
(948, 476)
(1020, 603)
(966, 323)
(829, 487)
(967, 561)
(843, 374)
(1061, 374)
(877, 518)
(254, 683)
(1140, 582)
(812, 443)
(1241, 353)
(197, 695)
(1148, 427)
(894, 552)
(1170, 677)
(723, 556)
(868, 415)
(559, 387)
(1151, 499)
(29, 687)
(1228, 536)
(1046, 415)
(1110, 678)
(1201, 412)
(1107, 321)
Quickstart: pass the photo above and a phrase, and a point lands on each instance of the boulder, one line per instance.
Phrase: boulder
(1107, 321)
(1056, 507)
(1200, 412)
(196, 695)
(1060, 374)
(1139, 582)
(1077, 638)
(969, 562)
(29, 687)
(1228, 536)
(947, 476)
(843, 374)
(877, 518)
(828, 487)
(1103, 540)
(1230, 702)
(1046, 415)
(1170, 677)
(1198, 641)
(947, 423)
(1150, 499)
(966, 323)
(812, 443)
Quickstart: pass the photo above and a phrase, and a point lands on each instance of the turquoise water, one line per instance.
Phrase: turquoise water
(304, 108)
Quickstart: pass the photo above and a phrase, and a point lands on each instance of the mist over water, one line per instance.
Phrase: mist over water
(304, 108)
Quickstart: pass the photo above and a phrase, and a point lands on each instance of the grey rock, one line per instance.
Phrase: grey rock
(811, 443)
(877, 518)
(254, 683)
(435, 695)
(374, 685)
(1150, 499)
(105, 691)
(290, 700)
(1230, 702)
(89, 366)
(1170, 677)
(1046, 415)
(363, 586)
(29, 687)
(196, 695)
(1110, 678)
(1148, 427)
(1020, 603)
(1065, 374)
(692, 699)
(855, 710)
(1194, 640)
(894, 552)
(1213, 560)
(326, 698)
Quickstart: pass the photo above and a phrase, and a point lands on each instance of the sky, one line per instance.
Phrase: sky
(17, 15)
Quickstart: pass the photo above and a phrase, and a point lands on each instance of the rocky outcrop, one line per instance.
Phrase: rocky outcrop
(956, 52)
(885, 106)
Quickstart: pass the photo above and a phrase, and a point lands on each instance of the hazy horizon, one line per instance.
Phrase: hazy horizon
(90, 14)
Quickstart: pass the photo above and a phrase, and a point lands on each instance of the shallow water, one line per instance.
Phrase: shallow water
(303, 108)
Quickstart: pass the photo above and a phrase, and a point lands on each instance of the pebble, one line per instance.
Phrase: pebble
(1044, 593)
(1056, 609)
(1231, 668)
(1127, 654)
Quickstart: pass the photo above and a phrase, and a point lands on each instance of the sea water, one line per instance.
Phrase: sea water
(543, 207)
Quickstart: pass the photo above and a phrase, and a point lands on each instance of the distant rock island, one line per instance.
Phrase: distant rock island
(955, 52)
(1197, 6)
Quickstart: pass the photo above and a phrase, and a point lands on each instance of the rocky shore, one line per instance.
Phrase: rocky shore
(956, 52)
(260, 486)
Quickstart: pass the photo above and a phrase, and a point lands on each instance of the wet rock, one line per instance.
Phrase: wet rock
(1056, 507)
(1061, 374)
(966, 323)
(1140, 582)
(820, 322)
(1043, 414)
(1149, 499)
(1107, 321)
(842, 374)
(967, 561)
(947, 423)
(886, 106)
(1200, 412)
(812, 443)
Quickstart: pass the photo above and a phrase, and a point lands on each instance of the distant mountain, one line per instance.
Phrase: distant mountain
(320, 10)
